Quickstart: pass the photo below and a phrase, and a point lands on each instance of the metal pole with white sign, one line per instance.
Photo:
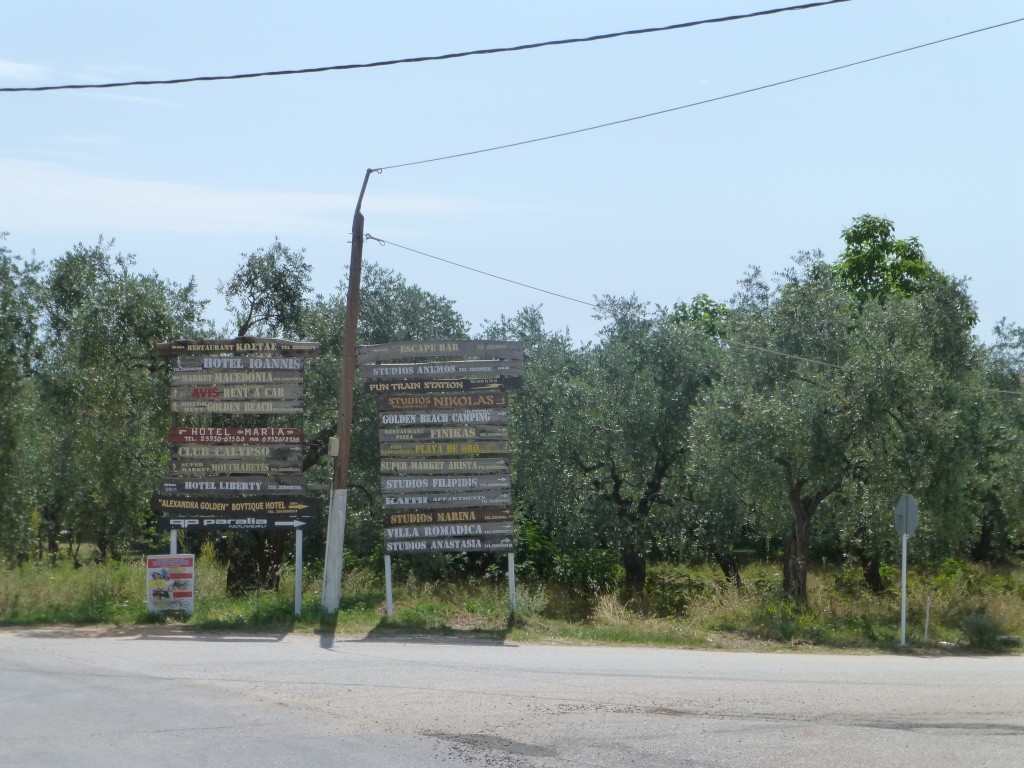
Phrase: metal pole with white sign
(906, 524)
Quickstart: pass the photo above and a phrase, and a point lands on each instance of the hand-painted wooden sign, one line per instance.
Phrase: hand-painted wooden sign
(235, 484)
(444, 401)
(440, 386)
(203, 378)
(443, 432)
(240, 407)
(214, 505)
(461, 369)
(217, 467)
(239, 392)
(203, 452)
(434, 516)
(459, 466)
(241, 364)
(464, 416)
(442, 427)
(447, 530)
(233, 435)
(415, 483)
(505, 350)
(245, 345)
(432, 500)
(392, 449)
(497, 544)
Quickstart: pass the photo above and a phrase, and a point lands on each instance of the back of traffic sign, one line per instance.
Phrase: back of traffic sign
(906, 515)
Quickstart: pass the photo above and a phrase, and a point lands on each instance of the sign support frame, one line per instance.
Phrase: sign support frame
(512, 583)
(389, 596)
(906, 524)
(298, 572)
(903, 594)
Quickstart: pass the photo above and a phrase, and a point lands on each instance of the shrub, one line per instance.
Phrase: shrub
(588, 571)
(671, 590)
(982, 629)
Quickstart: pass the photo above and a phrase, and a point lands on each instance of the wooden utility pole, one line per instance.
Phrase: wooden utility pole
(334, 555)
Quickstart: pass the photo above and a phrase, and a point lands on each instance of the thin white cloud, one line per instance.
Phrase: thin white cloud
(21, 72)
(132, 99)
(39, 196)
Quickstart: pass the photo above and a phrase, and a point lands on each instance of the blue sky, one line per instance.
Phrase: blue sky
(189, 177)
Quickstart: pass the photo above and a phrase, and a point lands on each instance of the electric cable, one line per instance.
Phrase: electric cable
(480, 271)
(421, 59)
(702, 102)
(722, 339)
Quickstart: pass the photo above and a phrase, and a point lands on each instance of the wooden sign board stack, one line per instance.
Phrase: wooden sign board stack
(443, 431)
(236, 477)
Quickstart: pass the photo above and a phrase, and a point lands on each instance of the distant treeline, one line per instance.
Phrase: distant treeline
(783, 424)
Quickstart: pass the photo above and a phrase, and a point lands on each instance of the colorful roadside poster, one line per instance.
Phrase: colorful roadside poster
(170, 583)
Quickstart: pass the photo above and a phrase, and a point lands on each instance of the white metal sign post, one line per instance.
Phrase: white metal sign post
(906, 524)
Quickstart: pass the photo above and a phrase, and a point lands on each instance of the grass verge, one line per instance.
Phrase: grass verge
(967, 608)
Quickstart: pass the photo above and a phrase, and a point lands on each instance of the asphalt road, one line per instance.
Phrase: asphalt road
(164, 697)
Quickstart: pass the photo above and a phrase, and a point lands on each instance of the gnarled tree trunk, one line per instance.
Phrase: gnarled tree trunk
(798, 541)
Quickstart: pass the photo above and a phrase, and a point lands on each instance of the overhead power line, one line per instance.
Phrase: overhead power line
(734, 343)
(421, 59)
(481, 272)
(702, 102)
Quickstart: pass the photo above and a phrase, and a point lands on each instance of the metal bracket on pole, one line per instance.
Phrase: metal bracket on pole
(334, 556)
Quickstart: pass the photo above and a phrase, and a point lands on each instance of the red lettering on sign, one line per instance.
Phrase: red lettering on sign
(201, 392)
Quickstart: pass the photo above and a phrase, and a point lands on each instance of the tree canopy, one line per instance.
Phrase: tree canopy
(785, 422)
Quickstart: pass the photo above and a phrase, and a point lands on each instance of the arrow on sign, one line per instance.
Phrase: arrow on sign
(290, 523)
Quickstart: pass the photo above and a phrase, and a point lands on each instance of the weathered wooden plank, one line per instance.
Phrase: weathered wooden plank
(465, 400)
(244, 345)
(235, 435)
(444, 466)
(392, 449)
(433, 516)
(496, 544)
(415, 483)
(455, 369)
(239, 364)
(210, 467)
(235, 484)
(443, 432)
(442, 386)
(505, 350)
(493, 498)
(462, 416)
(238, 406)
(239, 392)
(202, 452)
(204, 378)
(260, 505)
(447, 530)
